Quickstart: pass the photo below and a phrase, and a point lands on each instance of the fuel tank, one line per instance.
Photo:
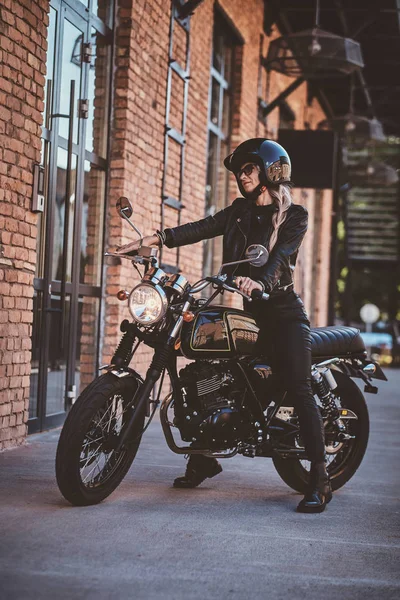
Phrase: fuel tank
(219, 332)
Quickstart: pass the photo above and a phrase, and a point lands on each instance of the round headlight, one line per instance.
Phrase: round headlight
(147, 303)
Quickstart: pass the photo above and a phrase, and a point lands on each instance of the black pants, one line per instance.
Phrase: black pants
(285, 337)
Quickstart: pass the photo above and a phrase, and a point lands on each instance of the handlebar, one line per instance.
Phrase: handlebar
(149, 254)
(259, 295)
(230, 285)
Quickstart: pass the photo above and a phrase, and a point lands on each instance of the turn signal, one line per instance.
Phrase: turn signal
(123, 295)
(188, 316)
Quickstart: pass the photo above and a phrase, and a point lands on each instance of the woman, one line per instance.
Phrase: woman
(266, 215)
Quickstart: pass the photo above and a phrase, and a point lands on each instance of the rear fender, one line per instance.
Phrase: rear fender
(362, 368)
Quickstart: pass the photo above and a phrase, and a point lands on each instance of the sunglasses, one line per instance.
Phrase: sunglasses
(247, 170)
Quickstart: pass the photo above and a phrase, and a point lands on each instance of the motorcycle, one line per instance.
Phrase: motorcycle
(227, 400)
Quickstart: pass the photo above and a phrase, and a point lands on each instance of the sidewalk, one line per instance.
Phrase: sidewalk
(236, 537)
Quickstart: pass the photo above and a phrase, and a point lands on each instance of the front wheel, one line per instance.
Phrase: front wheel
(343, 458)
(88, 468)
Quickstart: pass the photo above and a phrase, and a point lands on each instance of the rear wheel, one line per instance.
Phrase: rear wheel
(343, 457)
(88, 467)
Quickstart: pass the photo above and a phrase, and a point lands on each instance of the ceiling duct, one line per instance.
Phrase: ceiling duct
(372, 174)
(355, 129)
(314, 53)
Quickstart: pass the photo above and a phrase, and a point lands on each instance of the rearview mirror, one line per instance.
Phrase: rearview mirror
(124, 207)
(125, 211)
(258, 255)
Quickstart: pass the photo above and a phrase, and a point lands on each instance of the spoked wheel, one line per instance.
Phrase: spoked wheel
(343, 457)
(88, 466)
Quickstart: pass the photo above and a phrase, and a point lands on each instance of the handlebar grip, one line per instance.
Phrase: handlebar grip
(259, 295)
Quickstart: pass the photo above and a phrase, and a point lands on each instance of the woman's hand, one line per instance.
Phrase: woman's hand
(247, 285)
(149, 240)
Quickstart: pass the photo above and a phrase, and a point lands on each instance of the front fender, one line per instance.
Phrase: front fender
(121, 372)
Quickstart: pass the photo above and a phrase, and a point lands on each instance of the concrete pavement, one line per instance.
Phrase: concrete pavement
(237, 536)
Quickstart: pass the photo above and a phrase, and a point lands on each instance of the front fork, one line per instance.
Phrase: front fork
(160, 360)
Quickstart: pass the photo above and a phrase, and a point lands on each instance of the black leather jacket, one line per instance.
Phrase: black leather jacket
(234, 224)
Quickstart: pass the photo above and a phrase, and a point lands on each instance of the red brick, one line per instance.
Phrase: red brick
(6, 237)
(5, 114)
(6, 434)
(8, 18)
(8, 302)
(5, 409)
(17, 120)
(18, 407)
(17, 239)
(6, 86)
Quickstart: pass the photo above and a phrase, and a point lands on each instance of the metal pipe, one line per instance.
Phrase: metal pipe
(317, 11)
(283, 95)
(360, 76)
(169, 438)
(334, 241)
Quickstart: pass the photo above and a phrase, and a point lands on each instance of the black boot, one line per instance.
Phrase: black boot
(319, 490)
(198, 468)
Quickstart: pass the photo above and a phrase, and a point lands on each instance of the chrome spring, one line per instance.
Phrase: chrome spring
(324, 393)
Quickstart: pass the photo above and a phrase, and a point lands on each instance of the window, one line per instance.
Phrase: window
(219, 129)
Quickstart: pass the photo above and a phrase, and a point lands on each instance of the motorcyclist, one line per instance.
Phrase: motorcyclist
(265, 214)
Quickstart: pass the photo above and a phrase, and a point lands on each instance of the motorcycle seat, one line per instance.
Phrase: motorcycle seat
(336, 341)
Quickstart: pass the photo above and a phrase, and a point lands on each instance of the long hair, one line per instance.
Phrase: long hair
(282, 198)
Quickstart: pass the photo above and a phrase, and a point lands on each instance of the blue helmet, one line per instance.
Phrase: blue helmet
(271, 157)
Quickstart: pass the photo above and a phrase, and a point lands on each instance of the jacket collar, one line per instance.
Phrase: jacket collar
(246, 206)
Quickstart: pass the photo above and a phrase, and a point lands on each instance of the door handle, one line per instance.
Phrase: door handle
(66, 216)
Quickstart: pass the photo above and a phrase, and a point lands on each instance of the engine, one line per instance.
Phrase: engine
(210, 415)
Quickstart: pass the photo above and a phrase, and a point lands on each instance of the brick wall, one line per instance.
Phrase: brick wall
(23, 26)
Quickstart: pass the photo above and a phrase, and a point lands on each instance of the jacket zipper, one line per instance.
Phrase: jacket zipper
(245, 243)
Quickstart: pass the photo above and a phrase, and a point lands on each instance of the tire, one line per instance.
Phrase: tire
(91, 429)
(342, 466)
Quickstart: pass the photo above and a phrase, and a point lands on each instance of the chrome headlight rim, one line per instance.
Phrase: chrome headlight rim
(178, 283)
(156, 276)
(164, 303)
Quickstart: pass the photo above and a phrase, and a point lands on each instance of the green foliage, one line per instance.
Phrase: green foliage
(341, 230)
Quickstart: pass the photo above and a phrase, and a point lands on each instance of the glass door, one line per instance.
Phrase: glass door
(70, 237)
